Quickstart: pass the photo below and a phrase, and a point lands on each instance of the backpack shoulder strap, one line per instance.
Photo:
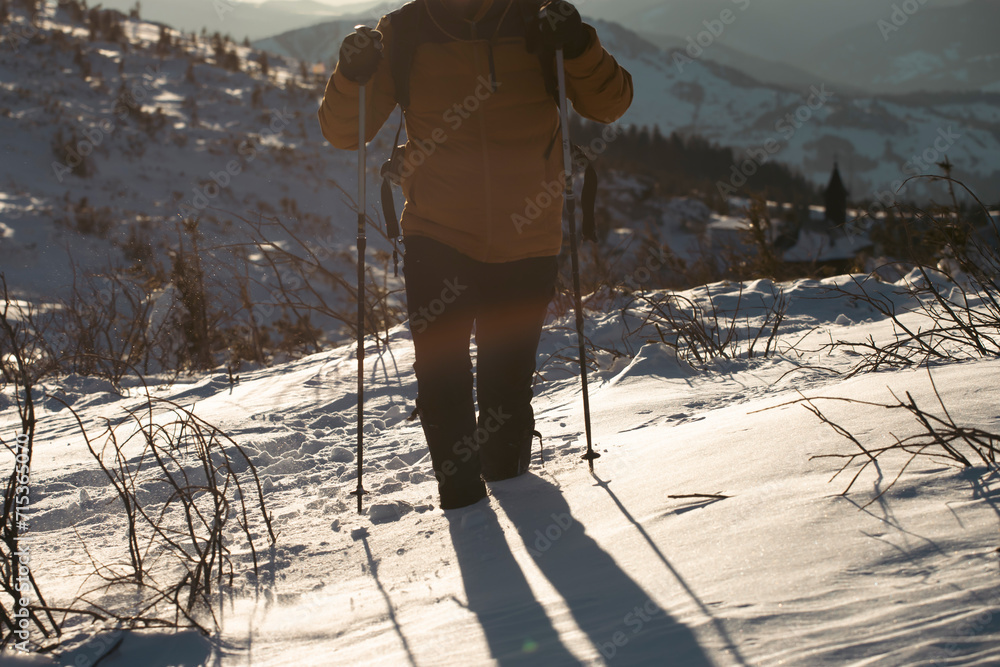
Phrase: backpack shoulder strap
(405, 23)
(530, 10)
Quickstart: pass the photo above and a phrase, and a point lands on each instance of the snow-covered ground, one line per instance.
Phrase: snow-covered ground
(642, 563)
(630, 565)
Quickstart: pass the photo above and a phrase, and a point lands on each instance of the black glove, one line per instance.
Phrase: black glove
(562, 27)
(360, 54)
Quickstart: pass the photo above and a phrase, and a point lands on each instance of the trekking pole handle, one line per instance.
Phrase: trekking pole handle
(367, 37)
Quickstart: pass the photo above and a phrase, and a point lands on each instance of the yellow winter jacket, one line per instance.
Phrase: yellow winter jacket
(483, 167)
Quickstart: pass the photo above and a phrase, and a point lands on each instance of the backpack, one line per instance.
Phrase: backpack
(406, 22)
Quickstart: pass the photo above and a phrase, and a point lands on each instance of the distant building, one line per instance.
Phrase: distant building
(835, 199)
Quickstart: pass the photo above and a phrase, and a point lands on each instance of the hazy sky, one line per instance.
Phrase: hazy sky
(782, 5)
(771, 28)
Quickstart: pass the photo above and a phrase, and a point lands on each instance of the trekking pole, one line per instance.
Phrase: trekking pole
(575, 261)
(362, 243)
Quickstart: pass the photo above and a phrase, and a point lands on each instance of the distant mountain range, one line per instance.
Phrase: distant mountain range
(808, 125)
(233, 17)
(765, 71)
(932, 49)
(864, 46)
(318, 43)
(876, 46)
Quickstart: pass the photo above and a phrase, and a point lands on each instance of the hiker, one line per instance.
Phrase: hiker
(482, 176)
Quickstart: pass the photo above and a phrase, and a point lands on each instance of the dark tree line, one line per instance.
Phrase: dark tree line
(686, 165)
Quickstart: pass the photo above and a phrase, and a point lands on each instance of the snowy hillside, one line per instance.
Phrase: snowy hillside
(874, 139)
(110, 143)
(879, 141)
(764, 495)
(710, 534)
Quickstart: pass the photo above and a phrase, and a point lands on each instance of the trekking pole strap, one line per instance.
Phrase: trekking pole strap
(389, 171)
(588, 197)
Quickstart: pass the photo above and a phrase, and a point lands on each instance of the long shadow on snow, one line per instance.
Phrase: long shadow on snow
(719, 625)
(516, 627)
(621, 619)
(390, 607)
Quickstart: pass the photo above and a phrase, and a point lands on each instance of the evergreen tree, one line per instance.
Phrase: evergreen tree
(218, 48)
(31, 6)
(74, 10)
(231, 61)
(81, 61)
(165, 43)
(191, 104)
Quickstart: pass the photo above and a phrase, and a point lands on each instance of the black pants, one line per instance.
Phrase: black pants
(446, 293)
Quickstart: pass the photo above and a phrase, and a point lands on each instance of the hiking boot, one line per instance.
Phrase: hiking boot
(506, 460)
(456, 494)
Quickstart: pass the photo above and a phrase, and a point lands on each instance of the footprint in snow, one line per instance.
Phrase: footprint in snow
(395, 463)
(388, 512)
(341, 455)
(328, 422)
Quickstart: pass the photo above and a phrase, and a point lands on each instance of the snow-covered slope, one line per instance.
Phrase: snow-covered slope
(102, 140)
(874, 139)
(708, 534)
(644, 563)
